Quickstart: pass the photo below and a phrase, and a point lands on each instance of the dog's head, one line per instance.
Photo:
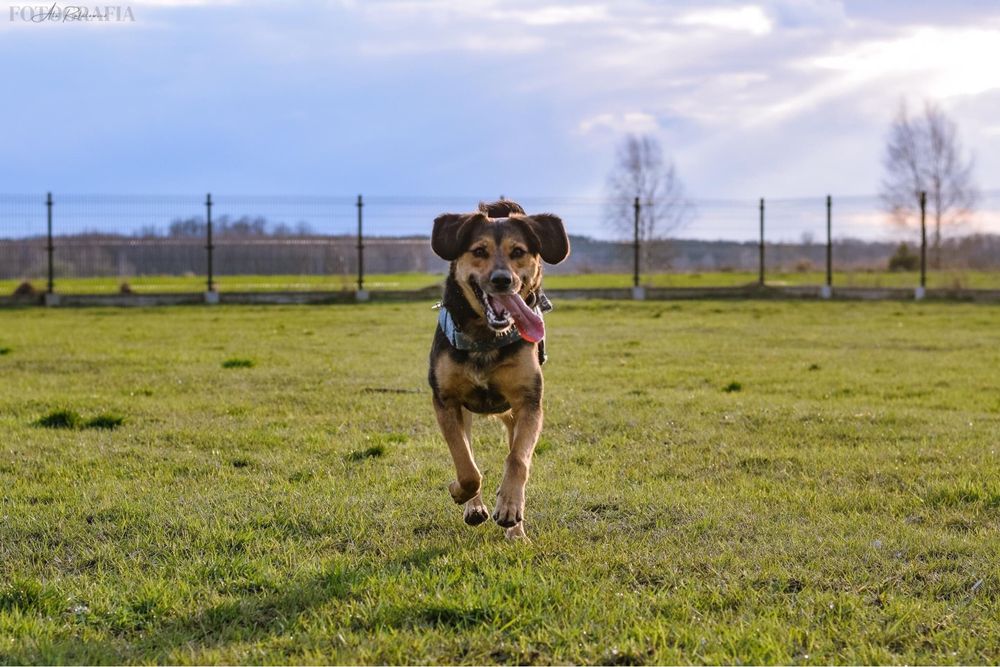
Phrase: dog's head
(497, 254)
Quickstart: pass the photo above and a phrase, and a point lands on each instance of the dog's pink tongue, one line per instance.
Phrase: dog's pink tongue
(527, 321)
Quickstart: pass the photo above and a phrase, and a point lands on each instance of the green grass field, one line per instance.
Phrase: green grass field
(413, 281)
(755, 482)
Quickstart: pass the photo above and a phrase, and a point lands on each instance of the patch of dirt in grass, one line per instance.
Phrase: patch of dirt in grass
(238, 363)
(71, 419)
(440, 615)
(373, 452)
(388, 390)
(107, 421)
(301, 476)
(624, 657)
(421, 558)
(68, 419)
(764, 464)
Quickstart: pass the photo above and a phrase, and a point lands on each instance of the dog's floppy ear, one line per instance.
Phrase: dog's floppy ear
(451, 233)
(553, 244)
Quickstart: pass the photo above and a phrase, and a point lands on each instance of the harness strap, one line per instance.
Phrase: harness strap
(461, 341)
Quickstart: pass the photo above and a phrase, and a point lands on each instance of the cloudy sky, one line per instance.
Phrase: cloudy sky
(465, 97)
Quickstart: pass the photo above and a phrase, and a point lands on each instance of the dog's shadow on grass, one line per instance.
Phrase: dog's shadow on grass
(255, 616)
(264, 615)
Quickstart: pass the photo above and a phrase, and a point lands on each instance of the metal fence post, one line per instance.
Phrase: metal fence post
(209, 246)
(829, 242)
(760, 278)
(923, 243)
(635, 245)
(361, 248)
(49, 247)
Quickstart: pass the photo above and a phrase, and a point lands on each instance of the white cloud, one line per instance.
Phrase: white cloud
(924, 62)
(556, 15)
(751, 19)
(951, 61)
(635, 122)
(471, 43)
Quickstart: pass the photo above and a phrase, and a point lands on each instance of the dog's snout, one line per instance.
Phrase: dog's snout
(501, 279)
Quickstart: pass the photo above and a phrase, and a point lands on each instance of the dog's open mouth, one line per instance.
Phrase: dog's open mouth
(502, 310)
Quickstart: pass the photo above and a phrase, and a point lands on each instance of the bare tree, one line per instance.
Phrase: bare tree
(641, 171)
(923, 154)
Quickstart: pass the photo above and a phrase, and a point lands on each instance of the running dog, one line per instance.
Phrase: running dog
(488, 347)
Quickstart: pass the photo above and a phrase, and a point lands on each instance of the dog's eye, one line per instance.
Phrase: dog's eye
(517, 253)
(480, 253)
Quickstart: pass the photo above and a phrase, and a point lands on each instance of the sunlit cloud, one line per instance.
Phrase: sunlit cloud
(556, 15)
(631, 122)
(949, 61)
(471, 43)
(751, 19)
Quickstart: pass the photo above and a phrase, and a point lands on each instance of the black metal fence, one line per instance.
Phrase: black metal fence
(114, 243)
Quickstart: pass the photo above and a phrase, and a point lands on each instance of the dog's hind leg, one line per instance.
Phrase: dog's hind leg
(508, 420)
(524, 426)
(453, 427)
(516, 532)
(476, 511)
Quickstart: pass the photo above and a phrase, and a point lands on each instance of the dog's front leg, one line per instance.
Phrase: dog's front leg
(475, 511)
(452, 424)
(524, 425)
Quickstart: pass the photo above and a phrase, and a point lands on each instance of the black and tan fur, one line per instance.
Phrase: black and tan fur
(506, 382)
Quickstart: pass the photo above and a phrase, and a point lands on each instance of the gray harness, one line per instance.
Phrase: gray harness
(460, 341)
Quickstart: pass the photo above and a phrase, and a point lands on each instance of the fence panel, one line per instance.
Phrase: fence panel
(968, 255)
(397, 240)
(269, 243)
(22, 242)
(108, 243)
(795, 241)
(717, 245)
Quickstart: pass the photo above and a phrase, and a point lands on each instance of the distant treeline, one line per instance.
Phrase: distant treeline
(224, 226)
(252, 246)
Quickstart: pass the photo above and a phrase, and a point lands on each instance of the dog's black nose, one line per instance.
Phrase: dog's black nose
(501, 279)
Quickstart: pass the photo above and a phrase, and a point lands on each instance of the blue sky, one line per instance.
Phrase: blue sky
(459, 97)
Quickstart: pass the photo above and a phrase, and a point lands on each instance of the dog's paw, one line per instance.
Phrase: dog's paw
(509, 510)
(463, 492)
(476, 512)
(516, 533)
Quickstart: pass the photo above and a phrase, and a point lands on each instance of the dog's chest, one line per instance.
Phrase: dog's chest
(476, 388)
(479, 368)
